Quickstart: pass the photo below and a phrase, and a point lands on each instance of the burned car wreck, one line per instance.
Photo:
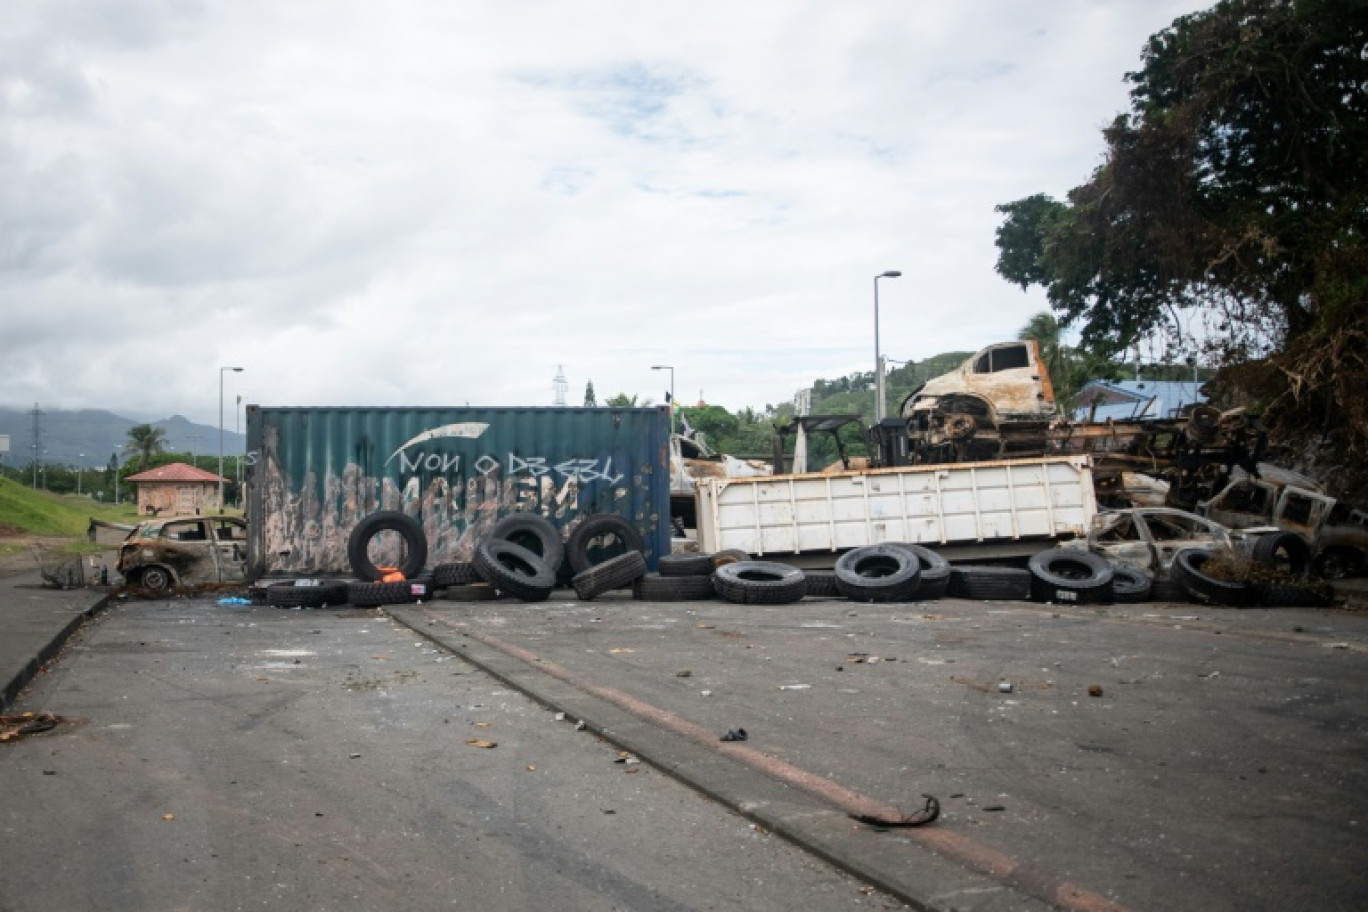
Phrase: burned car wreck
(184, 551)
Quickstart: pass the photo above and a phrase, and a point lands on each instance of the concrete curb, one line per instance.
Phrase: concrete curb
(895, 865)
(25, 675)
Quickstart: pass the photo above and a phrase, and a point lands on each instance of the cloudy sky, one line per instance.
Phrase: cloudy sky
(441, 202)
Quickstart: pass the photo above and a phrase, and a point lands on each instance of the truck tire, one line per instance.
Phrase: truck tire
(1169, 590)
(454, 574)
(535, 533)
(654, 587)
(935, 572)
(306, 593)
(878, 573)
(614, 573)
(600, 537)
(821, 583)
(1131, 586)
(984, 583)
(1071, 577)
(405, 526)
(515, 570)
(1285, 551)
(751, 582)
(685, 564)
(373, 595)
(1189, 568)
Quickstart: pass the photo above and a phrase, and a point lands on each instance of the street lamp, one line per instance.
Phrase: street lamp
(237, 370)
(878, 358)
(80, 461)
(670, 368)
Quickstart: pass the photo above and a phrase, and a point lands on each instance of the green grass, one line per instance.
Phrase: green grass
(42, 513)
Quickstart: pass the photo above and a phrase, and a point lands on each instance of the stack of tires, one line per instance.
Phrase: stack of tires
(403, 543)
(1282, 562)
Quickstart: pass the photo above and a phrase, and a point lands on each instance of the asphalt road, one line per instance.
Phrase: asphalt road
(220, 757)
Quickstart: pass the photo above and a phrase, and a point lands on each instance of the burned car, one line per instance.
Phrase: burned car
(184, 551)
(1149, 538)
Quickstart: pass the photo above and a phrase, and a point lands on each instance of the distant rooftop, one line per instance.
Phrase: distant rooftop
(175, 472)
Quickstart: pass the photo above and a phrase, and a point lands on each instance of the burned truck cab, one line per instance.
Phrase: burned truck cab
(998, 405)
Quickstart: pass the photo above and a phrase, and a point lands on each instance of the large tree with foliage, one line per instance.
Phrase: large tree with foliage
(1236, 189)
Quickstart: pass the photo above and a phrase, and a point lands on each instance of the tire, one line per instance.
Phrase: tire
(686, 565)
(821, 584)
(533, 532)
(1295, 595)
(600, 537)
(935, 572)
(751, 582)
(405, 526)
(614, 573)
(1286, 551)
(515, 570)
(1071, 577)
(373, 595)
(729, 556)
(1189, 568)
(471, 592)
(1168, 590)
(878, 573)
(1339, 563)
(990, 583)
(306, 593)
(454, 574)
(655, 587)
(158, 579)
(1131, 586)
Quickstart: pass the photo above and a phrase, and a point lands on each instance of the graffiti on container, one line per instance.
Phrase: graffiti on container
(586, 470)
(465, 430)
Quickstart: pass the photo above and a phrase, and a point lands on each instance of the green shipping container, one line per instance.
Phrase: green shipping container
(313, 473)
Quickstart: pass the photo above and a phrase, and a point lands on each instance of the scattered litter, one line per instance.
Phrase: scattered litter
(234, 600)
(14, 727)
(795, 686)
(735, 734)
(619, 650)
(559, 717)
(354, 756)
(994, 807)
(625, 757)
(1094, 690)
(1005, 687)
(480, 724)
(705, 693)
(168, 816)
(928, 812)
(580, 726)
(684, 673)
(531, 767)
(1210, 674)
(1335, 645)
(702, 626)
(481, 742)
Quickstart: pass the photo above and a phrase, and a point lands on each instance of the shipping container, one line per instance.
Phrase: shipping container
(968, 510)
(313, 473)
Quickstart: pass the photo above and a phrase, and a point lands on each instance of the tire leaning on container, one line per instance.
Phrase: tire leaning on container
(1286, 551)
(515, 570)
(751, 582)
(935, 573)
(306, 593)
(985, 583)
(1071, 577)
(655, 587)
(535, 533)
(1189, 569)
(1131, 586)
(878, 573)
(600, 537)
(614, 573)
(403, 525)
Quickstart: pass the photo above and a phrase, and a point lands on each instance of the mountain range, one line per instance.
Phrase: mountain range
(86, 438)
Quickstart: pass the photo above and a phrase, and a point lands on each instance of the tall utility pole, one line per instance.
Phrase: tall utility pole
(878, 357)
(37, 442)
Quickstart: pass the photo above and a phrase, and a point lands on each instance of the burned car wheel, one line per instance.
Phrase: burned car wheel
(750, 582)
(1191, 569)
(1072, 577)
(406, 527)
(156, 578)
(878, 573)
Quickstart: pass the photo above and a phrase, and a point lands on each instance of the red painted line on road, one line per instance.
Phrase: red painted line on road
(985, 859)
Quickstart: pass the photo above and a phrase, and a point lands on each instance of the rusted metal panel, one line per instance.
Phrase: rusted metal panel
(313, 473)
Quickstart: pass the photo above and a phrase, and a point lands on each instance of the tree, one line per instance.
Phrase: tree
(1234, 188)
(144, 442)
(589, 400)
(621, 400)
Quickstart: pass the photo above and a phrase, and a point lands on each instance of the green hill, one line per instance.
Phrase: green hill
(26, 511)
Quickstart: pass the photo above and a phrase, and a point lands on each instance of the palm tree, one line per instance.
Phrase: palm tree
(144, 442)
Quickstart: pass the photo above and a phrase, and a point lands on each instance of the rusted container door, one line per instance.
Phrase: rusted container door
(312, 473)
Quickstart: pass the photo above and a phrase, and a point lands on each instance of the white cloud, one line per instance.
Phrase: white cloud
(420, 203)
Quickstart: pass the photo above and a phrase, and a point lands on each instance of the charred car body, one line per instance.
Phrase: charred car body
(184, 551)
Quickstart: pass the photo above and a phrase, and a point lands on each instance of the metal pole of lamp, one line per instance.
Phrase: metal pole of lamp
(878, 358)
(222, 371)
(663, 367)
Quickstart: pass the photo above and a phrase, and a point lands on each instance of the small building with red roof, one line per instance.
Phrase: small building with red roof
(177, 489)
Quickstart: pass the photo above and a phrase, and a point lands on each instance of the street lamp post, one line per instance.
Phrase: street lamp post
(670, 368)
(222, 370)
(80, 461)
(878, 358)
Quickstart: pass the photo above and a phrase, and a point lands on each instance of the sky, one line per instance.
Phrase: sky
(447, 203)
